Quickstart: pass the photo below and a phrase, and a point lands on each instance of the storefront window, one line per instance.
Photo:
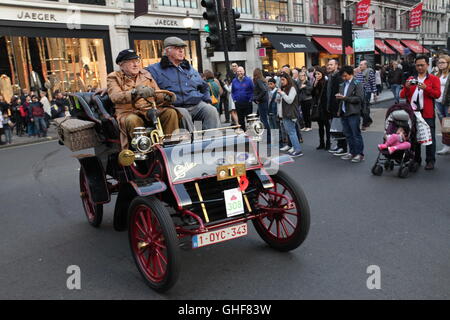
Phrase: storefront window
(314, 11)
(151, 51)
(331, 12)
(273, 10)
(66, 64)
(178, 3)
(274, 61)
(243, 6)
(298, 11)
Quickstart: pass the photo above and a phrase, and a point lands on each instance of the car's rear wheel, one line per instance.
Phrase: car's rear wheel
(286, 224)
(154, 243)
(94, 212)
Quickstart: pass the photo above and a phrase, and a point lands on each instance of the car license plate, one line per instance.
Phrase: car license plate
(221, 235)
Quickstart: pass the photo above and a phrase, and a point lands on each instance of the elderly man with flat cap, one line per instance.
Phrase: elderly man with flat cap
(128, 85)
(174, 73)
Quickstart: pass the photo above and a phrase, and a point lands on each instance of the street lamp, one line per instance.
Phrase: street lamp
(188, 23)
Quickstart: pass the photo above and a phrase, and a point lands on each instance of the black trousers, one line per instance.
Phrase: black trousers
(324, 129)
(431, 149)
(243, 109)
(306, 111)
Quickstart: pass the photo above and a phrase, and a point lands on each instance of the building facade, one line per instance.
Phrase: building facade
(71, 44)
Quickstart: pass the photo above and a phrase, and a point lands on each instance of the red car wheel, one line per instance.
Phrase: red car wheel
(154, 242)
(285, 224)
(94, 212)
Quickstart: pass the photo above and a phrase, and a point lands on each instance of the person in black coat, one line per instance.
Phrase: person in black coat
(261, 98)
(319, 94)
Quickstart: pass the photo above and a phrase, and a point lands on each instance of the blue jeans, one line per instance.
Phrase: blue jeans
(40, 126)
(442, 110)
(352, 132)
(291, 131)
(396, 91)
(263, 109)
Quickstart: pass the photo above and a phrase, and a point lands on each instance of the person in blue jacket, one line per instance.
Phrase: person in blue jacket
(174, 73)
(242, 94)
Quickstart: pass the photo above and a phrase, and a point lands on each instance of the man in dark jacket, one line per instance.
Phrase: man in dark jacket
(334, 81)
(59, 105)
(174, 73)
(242, 94)
(37, 117)
(351, 97)
(395, 80)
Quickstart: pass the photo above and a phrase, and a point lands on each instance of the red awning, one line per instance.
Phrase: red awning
(397, 46)
(414, 46)
(382, 47)
(332, 45)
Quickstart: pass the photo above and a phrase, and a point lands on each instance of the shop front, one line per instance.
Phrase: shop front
(284, 49)
(397, 46)
(331, 48)
(415, 47)
(39, 55)
(148, 41)
(383, 53)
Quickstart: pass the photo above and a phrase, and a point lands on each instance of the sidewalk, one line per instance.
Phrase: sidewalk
(24, 140)
(385, 95)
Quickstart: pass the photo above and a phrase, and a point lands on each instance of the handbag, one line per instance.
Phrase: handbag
(336, 126)
(446, 125)
(315, 109)
(214, 100)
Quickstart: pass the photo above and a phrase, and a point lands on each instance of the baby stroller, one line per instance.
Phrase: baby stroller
(398, 116)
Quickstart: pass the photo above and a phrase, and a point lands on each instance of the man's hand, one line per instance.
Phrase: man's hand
(339, 96)
(407, 84)
(144, 92)
(422, 86)
(101, 92)
(170, 98)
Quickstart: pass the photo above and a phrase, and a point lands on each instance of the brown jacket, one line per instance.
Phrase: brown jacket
(119, 91)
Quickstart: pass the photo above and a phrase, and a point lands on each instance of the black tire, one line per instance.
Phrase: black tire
(377, 170)
(403, 172)
(94, 212)
(300, 230)
(165, 235)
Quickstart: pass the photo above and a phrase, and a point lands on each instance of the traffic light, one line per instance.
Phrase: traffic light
(213, 22)
(347, 32)
(232, 26)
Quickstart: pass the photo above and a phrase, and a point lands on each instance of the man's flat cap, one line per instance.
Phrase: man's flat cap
(125, 55)
(174, 41)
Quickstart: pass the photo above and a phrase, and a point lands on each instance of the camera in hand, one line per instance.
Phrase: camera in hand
(414, 82)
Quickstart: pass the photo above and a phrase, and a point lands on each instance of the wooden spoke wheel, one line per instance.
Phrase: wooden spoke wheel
(94, 212)
(286, 224)
(154, 243)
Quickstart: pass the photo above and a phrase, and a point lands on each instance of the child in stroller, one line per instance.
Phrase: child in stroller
(400, 134)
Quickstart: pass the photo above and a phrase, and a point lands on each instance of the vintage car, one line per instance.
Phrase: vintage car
(185, 193)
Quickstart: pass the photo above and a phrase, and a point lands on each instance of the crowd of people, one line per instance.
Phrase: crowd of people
(29, 114)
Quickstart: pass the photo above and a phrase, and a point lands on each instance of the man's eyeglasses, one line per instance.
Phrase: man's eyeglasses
(421, 65)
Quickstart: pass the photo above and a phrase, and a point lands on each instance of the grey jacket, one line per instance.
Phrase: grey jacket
(354, 98)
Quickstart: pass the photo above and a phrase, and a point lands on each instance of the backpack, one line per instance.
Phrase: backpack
(214, 100)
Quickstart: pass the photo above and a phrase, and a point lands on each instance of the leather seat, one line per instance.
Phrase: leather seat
(106, 110)
(86, 102)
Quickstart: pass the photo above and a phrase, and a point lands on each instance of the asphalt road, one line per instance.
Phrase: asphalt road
(357, 220)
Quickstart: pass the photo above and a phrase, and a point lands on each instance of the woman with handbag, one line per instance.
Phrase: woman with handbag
(319, 110)
(214, 89)
(261, 98)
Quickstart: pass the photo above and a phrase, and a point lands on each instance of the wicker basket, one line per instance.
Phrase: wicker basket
(77, 134)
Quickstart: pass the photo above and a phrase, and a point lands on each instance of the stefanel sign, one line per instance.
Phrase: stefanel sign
(415, 16)
(362, 12)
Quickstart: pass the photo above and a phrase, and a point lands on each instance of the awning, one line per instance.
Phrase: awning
(397, 46)
(332, 45)
(382, 47)
(291, 43)
(414, 46)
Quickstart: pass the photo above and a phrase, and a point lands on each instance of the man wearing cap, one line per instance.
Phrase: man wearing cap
(174, 73)
(130, 84)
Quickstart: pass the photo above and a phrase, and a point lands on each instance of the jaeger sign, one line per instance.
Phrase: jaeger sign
(38, 16)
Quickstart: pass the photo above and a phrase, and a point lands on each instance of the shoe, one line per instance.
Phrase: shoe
(290, 150)
(308, 129)
(358, 158)
(296, 154)
(444, 150)
(303, 129)
(348, 156)
(382, 146)
(429, 166)
(285, 148)
(334, 150)
(342, 152)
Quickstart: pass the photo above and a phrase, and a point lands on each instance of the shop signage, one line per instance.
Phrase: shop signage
(262, 52)
(167, 22)
(38, 16)
(284, 29)
(293, 45)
